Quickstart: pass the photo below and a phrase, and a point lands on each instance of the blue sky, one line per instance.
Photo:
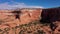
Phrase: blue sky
(30, 3)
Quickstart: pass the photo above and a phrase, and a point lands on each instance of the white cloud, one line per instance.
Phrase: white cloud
(15, 5)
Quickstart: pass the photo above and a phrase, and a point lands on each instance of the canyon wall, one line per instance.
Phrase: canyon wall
(26, 16)
(50, 15)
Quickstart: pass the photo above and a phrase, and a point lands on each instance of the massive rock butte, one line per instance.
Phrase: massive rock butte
(50, 15)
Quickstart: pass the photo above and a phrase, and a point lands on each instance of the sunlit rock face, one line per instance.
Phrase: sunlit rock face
(26, 15)
(30, 14)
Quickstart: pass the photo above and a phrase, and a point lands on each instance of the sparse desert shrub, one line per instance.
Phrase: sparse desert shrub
(41, 32)
(1, 30)
(1, 22)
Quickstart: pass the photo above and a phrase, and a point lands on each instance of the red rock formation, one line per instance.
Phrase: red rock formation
(8, 19)
(27, 15)
(51, 15)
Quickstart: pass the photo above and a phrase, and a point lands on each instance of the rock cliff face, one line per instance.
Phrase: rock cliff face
(26, 15)
(50, 15)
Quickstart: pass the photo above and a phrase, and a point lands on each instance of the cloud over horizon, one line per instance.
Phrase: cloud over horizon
(15, 5)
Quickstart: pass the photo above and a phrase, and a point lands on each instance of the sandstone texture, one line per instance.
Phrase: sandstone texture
(8, 19)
